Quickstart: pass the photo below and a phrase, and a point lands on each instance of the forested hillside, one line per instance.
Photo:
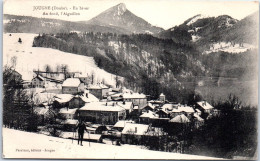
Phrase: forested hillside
(149, 64)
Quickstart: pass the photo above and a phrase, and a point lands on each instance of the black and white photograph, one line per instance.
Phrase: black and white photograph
(129, 79)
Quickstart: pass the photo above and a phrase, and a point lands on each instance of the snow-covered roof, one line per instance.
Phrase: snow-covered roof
(197, 110)
(63, 98)
(163, 110)
(41, 110)
(71, 122)
(126, 105)
(198, 117)
(135, 129)
(122, 123)
(102, 106)
(103, 86)
(149, 114)
(162, 94)
(155, 101)
(90, 98)
(133, 95)
(116, 95)
(71, 82)
(175, 110)
(97, 86)
(150, 105)
(205, 105)
(167, 107)
(180, 119)
(40, 77)
(187, 109)
(68, 111)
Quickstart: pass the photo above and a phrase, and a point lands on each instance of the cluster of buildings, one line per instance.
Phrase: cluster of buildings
(117, 109)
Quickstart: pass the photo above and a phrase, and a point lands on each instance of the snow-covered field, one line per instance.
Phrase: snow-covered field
(20, 144)
(29, 58)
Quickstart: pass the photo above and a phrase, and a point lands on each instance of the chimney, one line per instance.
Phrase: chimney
(106, 103)
(123, 102)
(135, 129)
(87, 95)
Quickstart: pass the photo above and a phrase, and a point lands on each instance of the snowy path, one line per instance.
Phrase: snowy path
(20, 144)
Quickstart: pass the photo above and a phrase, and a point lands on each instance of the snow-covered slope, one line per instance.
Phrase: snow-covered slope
(53, 147)
(196, 18)
(30, 58)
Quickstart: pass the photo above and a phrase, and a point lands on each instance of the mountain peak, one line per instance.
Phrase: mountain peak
(121, 8)
(120, 17)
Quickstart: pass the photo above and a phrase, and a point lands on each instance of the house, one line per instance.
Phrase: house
(102, 112)
(68, 113)
(198, 121)
(88, 97)
(128, 106)
(76, 102)
(99, 90)
(116, 97)
(137, 98)
(80, 100)
(148, 107)
(156, 102)
(198, 111)
(70, 125)
(84, 77)
(186, 109)
(62, 100)
(147, 117)
(38, 82)
(162, 113)
(204, 106)
(132, 133)
(121, 124)
(180, 119)
(72, 86)
(175, 112)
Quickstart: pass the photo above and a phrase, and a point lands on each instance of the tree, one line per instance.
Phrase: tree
(48, 68)
(65, 70)
(17, 110)
(93, 74)
(13, 61)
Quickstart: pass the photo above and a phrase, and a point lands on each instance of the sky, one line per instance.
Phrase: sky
(161, 13)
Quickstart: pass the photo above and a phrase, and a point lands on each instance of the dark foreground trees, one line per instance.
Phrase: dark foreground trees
(17, 108)
(233, 133)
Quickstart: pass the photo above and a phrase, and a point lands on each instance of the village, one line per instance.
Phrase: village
(112, 115)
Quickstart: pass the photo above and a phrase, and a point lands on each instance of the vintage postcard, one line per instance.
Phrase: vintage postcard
(130, 79)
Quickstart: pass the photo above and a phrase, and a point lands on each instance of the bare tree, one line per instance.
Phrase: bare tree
(13, 61)
(93, 74)
(48, 68)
